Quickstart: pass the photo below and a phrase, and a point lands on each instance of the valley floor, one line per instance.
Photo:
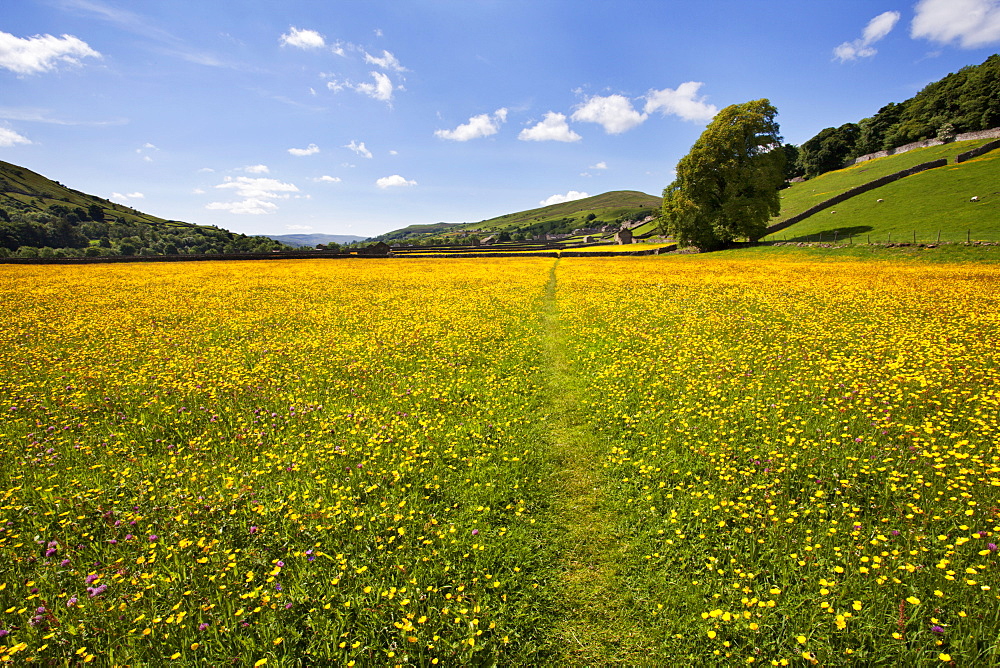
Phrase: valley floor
(741, 458)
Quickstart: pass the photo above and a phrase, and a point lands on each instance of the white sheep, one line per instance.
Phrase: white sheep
(880, 200)
(974, 198)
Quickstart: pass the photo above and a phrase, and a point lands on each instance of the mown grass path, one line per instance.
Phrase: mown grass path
(595, 627)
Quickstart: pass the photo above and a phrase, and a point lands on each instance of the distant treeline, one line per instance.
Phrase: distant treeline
(64, 231)
(965, 101)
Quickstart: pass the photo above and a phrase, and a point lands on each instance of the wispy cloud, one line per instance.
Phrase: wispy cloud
(165, 41)
(877, 28)
(256, 169)
(260, 187)
(327, 179)
(256, 194)
(971, 23)
(37, 115)
(381, 89)
(125, 198)
(359, 148)
(553, 127)
(251, 206)
(42, 53)
(10, 138)
(386, 61)
(483, 125)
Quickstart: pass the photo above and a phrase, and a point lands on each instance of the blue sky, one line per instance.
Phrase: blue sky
(362, 116)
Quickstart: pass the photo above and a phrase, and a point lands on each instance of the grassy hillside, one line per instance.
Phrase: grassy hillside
(599, 210)
(40, 217)
(25, 190)
(801, 196)
(923, 204)
(607, 208)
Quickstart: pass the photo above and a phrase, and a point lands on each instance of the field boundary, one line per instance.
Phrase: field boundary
(853, 192)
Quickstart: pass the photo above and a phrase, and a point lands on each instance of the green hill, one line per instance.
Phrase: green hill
(926, 207)
(800, 196)
(24, 190)
(42, 217)
(610, 208)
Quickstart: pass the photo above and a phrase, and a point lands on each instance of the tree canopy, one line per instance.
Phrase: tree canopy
(964, 101)
(727, 185)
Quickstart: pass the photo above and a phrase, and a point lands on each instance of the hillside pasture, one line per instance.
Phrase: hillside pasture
(801, 196)
(937, 200)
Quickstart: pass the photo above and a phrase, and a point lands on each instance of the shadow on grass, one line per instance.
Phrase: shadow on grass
(831, 234)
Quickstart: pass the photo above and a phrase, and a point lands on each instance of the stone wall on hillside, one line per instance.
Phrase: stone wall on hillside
(993, 133)
(847, 194)
(976, 152)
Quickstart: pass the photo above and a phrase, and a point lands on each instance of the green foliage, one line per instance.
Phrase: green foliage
(800, 196)
(965, 101)
(54, 221)
(727, 185)
(926, 207)
(829, 149)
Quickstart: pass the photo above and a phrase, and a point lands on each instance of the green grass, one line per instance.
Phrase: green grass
(801, 196)
(923, 204)
(824, 252)
(21, 187)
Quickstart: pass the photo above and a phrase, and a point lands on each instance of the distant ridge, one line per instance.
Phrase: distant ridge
(609, 208)
(298, 240)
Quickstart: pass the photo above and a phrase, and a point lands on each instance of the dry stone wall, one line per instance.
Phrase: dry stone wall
(847, 194)
(976, 152)
(993, 133)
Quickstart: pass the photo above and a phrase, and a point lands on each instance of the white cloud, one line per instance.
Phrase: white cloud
(614, 112)
(119, 197)
(249, 206)
(41, 53)
(386, 62)
(482, 125)
(973, 23)
(256, 169)
(298, 227)
(600, 165)
(393, 181)
(877, 28)
(327, 179)
(304, 39)
(359, 148)
(380, 90)
(568, 197)
(258, 188)
(197, 191)
(553, 127)
(683, 102)
(312, 149)
(9, 138)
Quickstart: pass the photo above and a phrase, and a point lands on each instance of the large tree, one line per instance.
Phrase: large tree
(727, 185)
